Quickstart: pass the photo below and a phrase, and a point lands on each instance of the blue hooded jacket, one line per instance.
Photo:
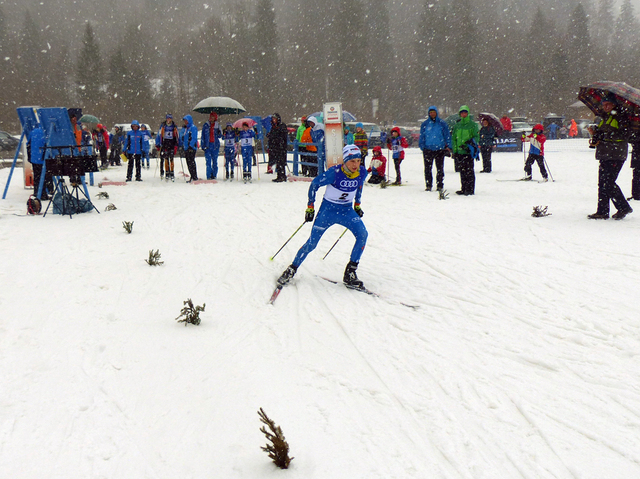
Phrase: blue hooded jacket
(434, 134)
(134, 140)
(189, 134)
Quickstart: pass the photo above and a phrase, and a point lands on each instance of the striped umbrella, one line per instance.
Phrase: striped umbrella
(627, 96)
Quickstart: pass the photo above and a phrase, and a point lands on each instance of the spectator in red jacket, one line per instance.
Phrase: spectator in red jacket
(377, 166)
(101, 141)
(397, 143)
(506, 123)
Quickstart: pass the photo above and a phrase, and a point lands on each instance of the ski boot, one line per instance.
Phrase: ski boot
(287, 275)
(351, 278)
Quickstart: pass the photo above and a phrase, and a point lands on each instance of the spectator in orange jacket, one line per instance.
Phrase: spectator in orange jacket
(573, 129)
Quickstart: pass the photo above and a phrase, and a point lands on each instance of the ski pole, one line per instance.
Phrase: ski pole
(182, 165)
(548, 169)
(285, 243)
(334, 244)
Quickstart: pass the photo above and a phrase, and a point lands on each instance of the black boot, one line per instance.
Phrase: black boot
(350, 276)
(287, 275)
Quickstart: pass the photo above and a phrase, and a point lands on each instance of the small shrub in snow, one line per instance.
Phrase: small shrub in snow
(154, 258)
(190, 314)
(110, 207)
(278, 450)
(128, 226)
(103, 195)
(539, 211)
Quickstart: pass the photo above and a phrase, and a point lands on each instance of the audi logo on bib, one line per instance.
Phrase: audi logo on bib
(349, 183)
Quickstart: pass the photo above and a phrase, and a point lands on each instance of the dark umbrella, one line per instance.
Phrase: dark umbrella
(628, 98)
(493, 120)
(222, 105)
(90, 119)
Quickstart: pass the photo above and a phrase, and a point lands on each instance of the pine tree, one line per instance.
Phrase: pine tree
(379, 57)
(602, 23)
(347, 67)
(430, 49)
(89, 71)
(462, 68)
(579, 47)
(266, 66)
(32, 64)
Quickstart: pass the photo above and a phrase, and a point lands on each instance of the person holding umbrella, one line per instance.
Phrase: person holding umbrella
(610, 141)
(210, 138)
(487, 139)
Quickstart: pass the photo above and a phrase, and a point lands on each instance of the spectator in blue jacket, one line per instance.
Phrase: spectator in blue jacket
(245, 138)
(348, 136)
(317, 136)
(230, 150)
(210, 139)
(146, 145)
(133, 149)
(36, 155)
(435, 143)
(189, 143)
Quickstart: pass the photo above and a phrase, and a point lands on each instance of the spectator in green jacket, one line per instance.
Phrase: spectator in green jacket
(301, 128)
(464, 137)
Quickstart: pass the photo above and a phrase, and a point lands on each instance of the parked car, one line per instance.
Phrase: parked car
(8, 144)
(521, 127)
(412, 134)
(372, 130)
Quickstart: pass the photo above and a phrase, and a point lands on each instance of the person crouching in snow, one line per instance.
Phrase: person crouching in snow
(246, 137)
(344, 186)
(377, 166)
(536, 152)
(397, 143)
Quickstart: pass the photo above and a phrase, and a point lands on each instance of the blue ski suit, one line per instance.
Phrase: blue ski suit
(337, 208)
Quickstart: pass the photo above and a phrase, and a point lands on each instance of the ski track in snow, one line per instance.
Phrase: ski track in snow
(520, 362)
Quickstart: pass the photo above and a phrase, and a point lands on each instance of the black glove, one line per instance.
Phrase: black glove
(358, 210)
(309, 214)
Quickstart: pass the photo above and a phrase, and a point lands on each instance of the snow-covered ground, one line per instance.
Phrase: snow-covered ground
(520, 360)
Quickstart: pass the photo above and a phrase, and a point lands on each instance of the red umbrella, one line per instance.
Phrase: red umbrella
(248, 121)
(493, 120)
(628, 97)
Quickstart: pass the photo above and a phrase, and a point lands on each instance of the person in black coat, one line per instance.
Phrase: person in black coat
(635, 166)
(610, 141)
(277, 140)
(487, 139)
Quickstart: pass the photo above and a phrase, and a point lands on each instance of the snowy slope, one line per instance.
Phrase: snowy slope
(521, 359)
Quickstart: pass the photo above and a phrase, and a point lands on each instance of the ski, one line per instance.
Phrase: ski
(275, 294)
(362, 290)
(369, 292)
(524, 179)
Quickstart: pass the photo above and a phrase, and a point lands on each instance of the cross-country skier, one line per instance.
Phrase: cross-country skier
(245, 138)
(344, 185)
(167, 143)
(230, 141)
